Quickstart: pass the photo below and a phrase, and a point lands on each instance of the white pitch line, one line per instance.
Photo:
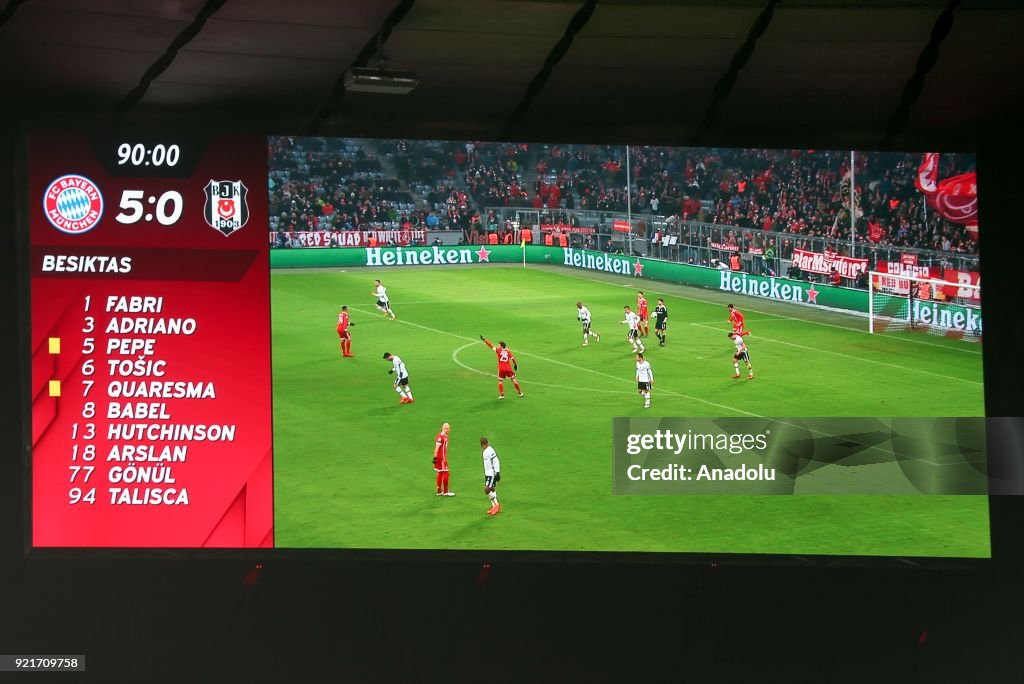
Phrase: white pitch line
(455, 358)
(772, 314)
(847, 356)
(725, 323)
(574, 367)
(464, 300)
(618, 378)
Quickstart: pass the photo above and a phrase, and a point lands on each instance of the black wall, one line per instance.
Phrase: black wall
(179, 619)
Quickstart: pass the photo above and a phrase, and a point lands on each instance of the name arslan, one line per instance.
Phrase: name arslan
(147, 453)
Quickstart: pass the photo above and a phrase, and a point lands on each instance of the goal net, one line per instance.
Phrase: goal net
(900, 304)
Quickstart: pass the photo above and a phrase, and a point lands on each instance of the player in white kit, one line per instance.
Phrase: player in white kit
(644, 379)
(742, 354)
(383, 303)
(633, 336)
(492, 475)
(583, 315)
(401, 378)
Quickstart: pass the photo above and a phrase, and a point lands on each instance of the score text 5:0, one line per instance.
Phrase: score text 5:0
(167, 209)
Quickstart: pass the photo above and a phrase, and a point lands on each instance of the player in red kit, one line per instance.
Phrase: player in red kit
(641, 311)
(441, 461)
(343, 333)
(736, 318)
(507, 367)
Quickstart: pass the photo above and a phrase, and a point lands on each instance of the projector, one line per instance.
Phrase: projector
(363, 80)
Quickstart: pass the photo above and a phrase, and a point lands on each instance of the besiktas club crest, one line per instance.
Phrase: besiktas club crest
(226, 209)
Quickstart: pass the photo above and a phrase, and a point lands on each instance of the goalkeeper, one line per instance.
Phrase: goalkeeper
(507, 367)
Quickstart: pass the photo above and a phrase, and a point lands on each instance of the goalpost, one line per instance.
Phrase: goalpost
(899, 303)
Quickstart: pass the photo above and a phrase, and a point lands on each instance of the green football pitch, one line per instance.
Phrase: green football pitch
(352, 467)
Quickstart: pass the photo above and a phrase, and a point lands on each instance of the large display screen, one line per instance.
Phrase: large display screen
(315, 343)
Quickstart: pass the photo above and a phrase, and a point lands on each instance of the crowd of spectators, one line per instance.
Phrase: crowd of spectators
(493, 174)
(795, 191)
(331, 184)
(340, 184)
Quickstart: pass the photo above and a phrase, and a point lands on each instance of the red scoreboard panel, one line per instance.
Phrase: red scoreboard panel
(150, 343)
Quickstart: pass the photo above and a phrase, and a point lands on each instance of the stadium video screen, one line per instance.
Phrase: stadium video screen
(317, 343)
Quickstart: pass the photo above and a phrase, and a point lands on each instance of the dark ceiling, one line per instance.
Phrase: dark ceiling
(645, 71)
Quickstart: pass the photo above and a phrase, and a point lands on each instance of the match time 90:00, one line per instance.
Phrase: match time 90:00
(141, 155)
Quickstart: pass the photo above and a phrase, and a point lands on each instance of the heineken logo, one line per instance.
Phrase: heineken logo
(424, 256)
(602, 262)
(961, 319)
(769, 288)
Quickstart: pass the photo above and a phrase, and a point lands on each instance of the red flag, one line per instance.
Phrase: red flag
(956, 198)
(875, 231)
(928, 173)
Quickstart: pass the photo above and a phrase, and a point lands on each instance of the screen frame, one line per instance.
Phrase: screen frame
(22, 205)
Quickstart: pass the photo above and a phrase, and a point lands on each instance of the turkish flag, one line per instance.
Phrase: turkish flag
(928, 173)
(956, 198)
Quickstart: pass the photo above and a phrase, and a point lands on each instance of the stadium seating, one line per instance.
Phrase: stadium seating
(449, 184)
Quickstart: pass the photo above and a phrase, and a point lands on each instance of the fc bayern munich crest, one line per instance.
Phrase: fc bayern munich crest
(226, 209)
(73, 204)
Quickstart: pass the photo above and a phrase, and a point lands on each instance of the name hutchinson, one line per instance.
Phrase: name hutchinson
(676, 472)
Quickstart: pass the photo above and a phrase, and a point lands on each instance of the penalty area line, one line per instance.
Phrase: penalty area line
(617, 378)
(733, 409)
(854, 358)
(455, 358)
(773, 315)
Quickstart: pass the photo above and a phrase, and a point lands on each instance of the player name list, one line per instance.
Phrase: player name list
(151, 407)
(150, 347)
(130, 445)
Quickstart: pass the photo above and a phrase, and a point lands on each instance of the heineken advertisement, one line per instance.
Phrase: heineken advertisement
(599, 261)
(964, 319)
(376, 257)
(779, 289)
(797, 291)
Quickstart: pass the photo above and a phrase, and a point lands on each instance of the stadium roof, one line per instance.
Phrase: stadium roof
(907, 73)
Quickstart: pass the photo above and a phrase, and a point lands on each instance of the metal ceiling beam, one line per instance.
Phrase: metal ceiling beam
(915, 85)
(374, 45)
(165, 60)
(9, 9)
(576, 24)
(739, 60)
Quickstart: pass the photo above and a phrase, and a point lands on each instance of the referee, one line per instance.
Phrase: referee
(660, 321)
